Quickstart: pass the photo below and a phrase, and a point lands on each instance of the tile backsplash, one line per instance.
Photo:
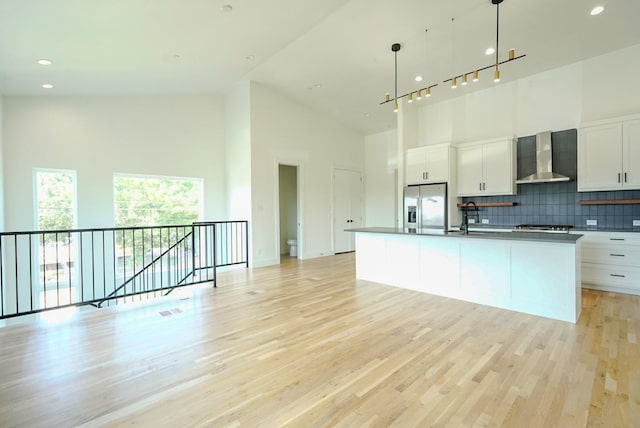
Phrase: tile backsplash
(557, 203)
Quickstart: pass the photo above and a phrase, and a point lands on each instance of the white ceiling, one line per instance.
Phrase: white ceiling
(342, 46)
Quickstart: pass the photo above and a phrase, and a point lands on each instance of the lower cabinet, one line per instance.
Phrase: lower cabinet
(526, 276)
(611, 261)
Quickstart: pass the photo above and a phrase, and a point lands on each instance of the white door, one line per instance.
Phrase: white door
(600, 157)
(497, 167)
(347, 208)
(437, 164)
(415, 166)
(631, 155)
(470, 171)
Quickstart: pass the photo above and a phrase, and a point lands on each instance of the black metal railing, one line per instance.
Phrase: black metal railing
(43, 270)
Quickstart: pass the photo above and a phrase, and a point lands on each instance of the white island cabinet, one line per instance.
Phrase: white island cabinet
(533, 273)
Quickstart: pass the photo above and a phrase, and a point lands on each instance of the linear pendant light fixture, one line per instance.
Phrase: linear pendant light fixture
(473, 75)
(496, 65)
(409, 95)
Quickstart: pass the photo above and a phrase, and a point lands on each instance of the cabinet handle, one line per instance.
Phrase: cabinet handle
(616, 255)
(616, 275)
(625, 177)
(479, 186)
(618, 177)
(427, 174)
(616, 239)
(484, 186)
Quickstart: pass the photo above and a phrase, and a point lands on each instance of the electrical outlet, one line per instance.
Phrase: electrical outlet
(592, 222)
(472, 220)
(636, 223)
(485, 221)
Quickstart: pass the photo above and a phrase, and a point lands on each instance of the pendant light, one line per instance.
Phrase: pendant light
(496, 74)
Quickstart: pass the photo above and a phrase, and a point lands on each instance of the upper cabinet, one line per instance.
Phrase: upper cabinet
(487, 168)
(429, 164)
(609, 156)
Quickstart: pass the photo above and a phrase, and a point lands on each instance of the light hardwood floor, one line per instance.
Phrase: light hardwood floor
(304, 344)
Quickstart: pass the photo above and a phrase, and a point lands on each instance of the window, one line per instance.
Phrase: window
(55, 199)
(156, 201)
(55, 194)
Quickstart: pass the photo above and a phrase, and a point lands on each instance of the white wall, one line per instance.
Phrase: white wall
(558, 99)
(283, 131)
(288, 190)
(99, 136)
(1, 171)
(379, 179)
(238, 152)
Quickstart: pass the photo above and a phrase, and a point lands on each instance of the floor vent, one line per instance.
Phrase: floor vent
(170, 312)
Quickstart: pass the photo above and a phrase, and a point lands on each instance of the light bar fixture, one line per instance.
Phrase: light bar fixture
(496, 65)
(473, 75)
(409, 95)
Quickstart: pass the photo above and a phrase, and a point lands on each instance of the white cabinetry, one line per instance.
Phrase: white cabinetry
(611, 261)
(527, 276)
(487, 168)
(429, 164)
(609, 156)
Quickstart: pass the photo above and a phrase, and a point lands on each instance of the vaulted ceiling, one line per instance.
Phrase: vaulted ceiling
(332, 55)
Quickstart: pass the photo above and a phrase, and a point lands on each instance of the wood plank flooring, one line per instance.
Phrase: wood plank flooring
(304, 344)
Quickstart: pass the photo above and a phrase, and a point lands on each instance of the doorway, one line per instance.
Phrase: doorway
(347, 208)
(288, 211)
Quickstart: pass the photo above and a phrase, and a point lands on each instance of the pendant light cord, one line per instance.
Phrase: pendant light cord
(497, 32)
(396, 76)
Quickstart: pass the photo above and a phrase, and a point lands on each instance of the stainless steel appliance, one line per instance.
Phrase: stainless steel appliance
(544, 162)
(548, 228)
(425, 206)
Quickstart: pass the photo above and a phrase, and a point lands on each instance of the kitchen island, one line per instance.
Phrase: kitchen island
(534, 273)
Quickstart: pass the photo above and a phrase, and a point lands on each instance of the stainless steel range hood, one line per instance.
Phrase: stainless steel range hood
(544, 163)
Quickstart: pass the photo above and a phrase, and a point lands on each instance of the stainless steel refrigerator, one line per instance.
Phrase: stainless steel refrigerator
(425, 206)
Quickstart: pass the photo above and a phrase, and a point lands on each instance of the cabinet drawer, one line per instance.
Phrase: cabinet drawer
(617, 255)
(610, 238)
(614, 276)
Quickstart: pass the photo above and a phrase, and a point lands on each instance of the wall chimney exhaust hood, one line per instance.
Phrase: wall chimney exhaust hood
(544, 163)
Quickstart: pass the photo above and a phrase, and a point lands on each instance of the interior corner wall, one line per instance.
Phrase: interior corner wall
(97, 136)
(555, 100)
(285, 131)
(2, 229)
(238, 153)
(380, 179)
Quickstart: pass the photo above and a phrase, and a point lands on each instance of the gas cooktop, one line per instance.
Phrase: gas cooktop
(548, 228)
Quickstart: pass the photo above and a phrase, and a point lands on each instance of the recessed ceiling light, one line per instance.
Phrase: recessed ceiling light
(226, 8)
(490, 51)
(47, 85)
(45, 61)
(597, 10)
(418, 78)
(250, 57)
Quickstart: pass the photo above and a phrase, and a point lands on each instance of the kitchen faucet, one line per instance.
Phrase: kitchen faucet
(465, 221)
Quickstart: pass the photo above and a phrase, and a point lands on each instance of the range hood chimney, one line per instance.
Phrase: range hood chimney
(544, 163)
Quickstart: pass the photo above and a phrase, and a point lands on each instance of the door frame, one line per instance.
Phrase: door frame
(299, 165)
(333, 201)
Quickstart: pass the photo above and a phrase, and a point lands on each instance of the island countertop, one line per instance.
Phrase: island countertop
(563, 238)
